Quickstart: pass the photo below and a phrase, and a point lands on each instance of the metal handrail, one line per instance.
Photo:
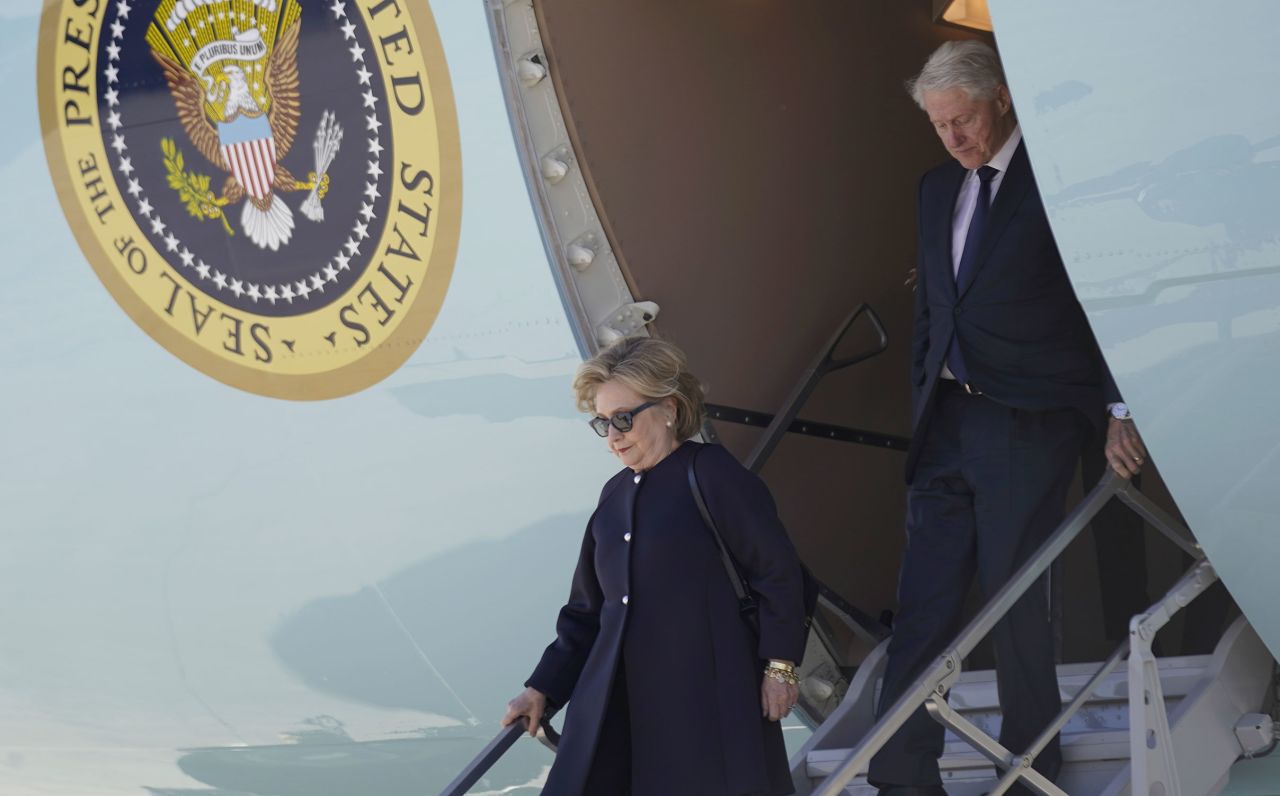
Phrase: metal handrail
(504, 740)
(931, 686)
(868, 627)
(810, 428)
(822, 365)
(1173, 530)
(1194, 582)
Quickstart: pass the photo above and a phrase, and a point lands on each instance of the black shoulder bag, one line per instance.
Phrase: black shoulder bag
(747, 605)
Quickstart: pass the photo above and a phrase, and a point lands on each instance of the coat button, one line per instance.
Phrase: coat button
(637, 478)
(626, 599)
(626, 537)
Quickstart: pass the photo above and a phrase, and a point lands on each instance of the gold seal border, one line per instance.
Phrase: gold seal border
(364, 372)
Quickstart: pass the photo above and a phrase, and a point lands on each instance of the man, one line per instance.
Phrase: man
(1007, 382)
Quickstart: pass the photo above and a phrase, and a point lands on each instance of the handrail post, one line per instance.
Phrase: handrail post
(1152, 766)
(992, 749)
(821, 366)
(495, 749)
(1173, 530)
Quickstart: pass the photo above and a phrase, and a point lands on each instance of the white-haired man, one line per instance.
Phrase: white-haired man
(1007, 382)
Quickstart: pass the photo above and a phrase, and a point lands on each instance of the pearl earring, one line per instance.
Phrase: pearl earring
(668, 424)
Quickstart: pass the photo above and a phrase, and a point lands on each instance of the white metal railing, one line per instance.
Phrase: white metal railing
(931, 687)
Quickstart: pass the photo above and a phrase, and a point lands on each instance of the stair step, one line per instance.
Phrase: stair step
(1205, 697)
(974, 695)
(976, 691)
(1077, 747)
(1086, 777)
(1095, 742)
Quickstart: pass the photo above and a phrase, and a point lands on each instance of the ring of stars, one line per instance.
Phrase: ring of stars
(303, 288)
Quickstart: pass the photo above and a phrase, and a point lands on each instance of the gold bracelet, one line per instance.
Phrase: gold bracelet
(782, 676)
(781, 666)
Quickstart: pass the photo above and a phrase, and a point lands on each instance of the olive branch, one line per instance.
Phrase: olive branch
(193, 189)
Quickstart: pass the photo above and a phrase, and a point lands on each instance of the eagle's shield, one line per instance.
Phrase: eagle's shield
(249, 150)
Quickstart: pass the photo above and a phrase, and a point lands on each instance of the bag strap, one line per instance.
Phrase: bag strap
(739, 585)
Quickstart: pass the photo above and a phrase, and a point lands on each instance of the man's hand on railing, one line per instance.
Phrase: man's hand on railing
(1125, 451)
(531, 703)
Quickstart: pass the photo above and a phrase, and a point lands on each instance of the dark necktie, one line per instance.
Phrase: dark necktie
(977, 224)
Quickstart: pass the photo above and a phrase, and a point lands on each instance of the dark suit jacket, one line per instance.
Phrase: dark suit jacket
(1025, 339)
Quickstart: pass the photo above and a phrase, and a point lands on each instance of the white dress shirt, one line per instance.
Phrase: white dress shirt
(967, 200)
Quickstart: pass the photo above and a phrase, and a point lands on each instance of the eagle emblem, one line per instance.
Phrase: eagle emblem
(194, 153)
(232, 70)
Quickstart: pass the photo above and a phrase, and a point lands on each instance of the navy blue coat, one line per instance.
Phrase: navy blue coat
(1026, 341)
(652, 614)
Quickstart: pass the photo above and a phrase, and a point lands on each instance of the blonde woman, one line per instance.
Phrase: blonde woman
(669, 690)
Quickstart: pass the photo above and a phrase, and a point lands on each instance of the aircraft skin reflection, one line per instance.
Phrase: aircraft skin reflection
(335, 642)
(1060, 95)
(1203, 185)
(331, 643)
(1215, 181)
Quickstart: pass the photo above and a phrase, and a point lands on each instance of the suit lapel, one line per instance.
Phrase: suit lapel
(1013, 189)
(944, 214)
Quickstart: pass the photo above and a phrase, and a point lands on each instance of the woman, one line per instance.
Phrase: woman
(672, 692)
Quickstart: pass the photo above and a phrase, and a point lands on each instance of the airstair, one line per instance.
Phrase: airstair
(1196, 716)
(1132, 725)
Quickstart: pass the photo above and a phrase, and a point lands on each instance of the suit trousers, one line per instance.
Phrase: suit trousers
(990, 487)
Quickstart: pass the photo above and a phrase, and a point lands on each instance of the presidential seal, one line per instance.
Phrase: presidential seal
(269, 188)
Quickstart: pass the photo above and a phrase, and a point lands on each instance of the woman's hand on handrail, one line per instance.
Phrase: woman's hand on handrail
(530, 703)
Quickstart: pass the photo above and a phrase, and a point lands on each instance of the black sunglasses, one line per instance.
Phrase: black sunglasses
(620, 420)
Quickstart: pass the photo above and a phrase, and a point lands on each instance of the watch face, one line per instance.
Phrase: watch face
(1120, 411)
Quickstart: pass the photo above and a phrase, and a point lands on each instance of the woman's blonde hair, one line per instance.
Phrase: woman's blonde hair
(653, 368)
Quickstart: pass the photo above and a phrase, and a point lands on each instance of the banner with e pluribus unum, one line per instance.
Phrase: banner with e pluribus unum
(272, 189)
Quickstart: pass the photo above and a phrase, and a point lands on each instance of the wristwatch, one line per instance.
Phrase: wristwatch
(1120, 411)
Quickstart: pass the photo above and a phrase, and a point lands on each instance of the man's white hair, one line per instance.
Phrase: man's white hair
(970, 65)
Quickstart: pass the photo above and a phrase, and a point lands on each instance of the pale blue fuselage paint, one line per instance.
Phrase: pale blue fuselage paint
(1155, 138)
(1156, 146)
(209, 592)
